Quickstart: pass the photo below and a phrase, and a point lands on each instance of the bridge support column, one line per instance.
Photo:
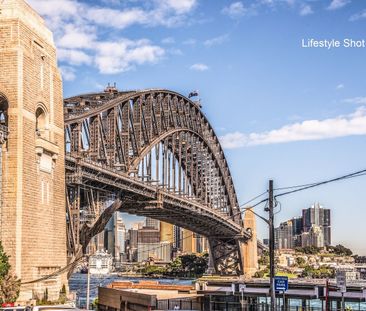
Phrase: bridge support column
(166, 232)
(189, 242)
(226, 256)
(249, 250)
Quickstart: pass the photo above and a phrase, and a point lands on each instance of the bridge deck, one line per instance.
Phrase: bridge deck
(144, 199)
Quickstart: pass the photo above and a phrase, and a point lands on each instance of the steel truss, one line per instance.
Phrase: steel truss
(156, 153)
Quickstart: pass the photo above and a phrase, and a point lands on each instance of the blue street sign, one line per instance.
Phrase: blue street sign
(281, 283)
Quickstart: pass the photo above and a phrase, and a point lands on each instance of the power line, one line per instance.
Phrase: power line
(251, 200)
(292, 187)
(312, 185)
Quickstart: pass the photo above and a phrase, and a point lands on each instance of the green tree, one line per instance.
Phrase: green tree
(311, 250)
(95, 304)
(45, 296)
(318, 273)
(342, 251)
(194, 265)
(9, 288)
(152, 270)
(4, 263)
(300, 261)
(175, 267)
(264, 259)
(262, 273)
(259, 274)
(62, 297)
(9, 284)
(190, 265)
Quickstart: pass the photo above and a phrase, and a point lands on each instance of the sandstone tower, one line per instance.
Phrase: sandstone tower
(249, 249)
(33, 224)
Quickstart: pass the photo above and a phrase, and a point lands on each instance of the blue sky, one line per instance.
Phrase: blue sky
(282, 111)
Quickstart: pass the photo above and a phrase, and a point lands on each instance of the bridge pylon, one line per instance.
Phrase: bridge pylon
(33, 224)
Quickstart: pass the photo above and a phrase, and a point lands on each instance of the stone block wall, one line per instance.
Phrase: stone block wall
(33, 223)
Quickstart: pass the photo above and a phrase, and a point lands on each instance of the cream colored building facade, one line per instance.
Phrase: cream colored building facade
(33, 223)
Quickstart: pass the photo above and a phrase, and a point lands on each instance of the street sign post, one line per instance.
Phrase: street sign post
(281, 283)
(341, 280)
(341, 284)
(241, 290)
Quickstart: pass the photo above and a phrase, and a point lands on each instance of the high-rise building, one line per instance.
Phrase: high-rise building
(284, 235)
(152, 223)
(138, 225)
(178, 238)
(109, 236)
(131, 245)
(160, 251)
(297, 226)
(312, 229)
(297, 229)
(201, 244)
(148, 235)
(318, 216)
(313, 237)
(120, 236)
(115, 236)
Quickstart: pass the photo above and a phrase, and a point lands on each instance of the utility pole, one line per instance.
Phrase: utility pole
(271, 246)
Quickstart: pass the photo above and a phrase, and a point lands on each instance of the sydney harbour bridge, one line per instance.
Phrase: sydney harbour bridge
(150, 153)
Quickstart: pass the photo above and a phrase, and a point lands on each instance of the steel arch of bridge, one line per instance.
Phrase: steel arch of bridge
(158, 152)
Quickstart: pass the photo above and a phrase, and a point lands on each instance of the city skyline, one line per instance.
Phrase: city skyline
(296, 115)
(312, 228)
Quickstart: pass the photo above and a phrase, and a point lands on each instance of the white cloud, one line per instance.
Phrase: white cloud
(76, 37)
(341, 126)
(55, 8)
(116, 57)
(68, 73)
(162, 12)
(356, 100)
(59, 13)
(199, 67)
(189, 42)
(216, 41)
(340, 86)
(174, 51)
(234, 10)
(73, 57)
(306, 10)
(253, 8)
(358, 16)
(337, 4)
(168, 40)
(115, 18)
(84, 32)
(180, 6)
